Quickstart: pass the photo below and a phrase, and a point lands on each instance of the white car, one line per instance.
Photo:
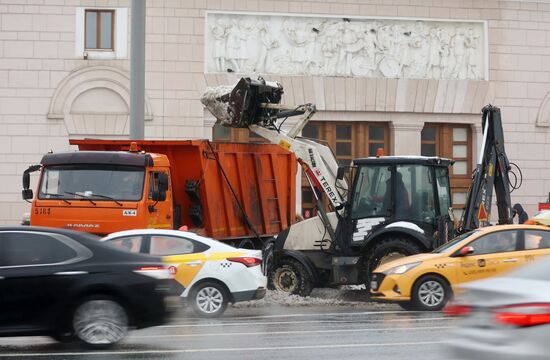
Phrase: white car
(503, 318)
(212, 274)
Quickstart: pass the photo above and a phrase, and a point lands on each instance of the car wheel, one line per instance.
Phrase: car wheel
(289, 275)
(209, 299)
(100, 321)
(430, 293)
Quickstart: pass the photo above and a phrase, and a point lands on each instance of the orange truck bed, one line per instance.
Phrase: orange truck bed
(239, 183)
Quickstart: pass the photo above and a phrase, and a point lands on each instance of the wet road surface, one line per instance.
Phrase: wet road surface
(344, 331)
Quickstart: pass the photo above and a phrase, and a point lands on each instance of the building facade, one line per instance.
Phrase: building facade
(408, 76)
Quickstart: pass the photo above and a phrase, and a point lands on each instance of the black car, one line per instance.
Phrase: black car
(69, 285)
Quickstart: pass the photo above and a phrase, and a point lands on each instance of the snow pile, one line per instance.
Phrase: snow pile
(282, 298)
(211, 100)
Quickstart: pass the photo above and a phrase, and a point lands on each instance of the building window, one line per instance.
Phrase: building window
(451, 141)
(99, 33)
(348, 141)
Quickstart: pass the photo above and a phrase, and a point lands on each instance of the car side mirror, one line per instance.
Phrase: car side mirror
(341, 172)
(466, 250)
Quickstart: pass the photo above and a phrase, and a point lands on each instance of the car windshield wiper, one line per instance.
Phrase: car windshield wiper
(109, 198)
(82, 196)
(57, 196)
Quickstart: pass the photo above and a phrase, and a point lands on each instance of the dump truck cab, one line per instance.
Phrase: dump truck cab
(102, 191)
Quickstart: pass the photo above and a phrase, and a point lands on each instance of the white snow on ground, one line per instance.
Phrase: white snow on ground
(318, 297)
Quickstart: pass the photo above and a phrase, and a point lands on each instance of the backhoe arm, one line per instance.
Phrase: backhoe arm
(491, 171)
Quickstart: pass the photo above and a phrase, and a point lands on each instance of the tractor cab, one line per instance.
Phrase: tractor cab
(396, 191)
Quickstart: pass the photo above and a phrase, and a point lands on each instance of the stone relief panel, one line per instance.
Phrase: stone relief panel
(331, 46)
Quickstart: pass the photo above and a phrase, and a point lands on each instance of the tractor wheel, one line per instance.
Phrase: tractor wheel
(289, 275)
(385, 251)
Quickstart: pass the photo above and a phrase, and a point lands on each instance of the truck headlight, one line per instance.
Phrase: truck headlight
(401, 269)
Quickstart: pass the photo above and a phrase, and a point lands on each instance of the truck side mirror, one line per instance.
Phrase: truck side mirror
(340, 173)
(159, 194)
(26, 180)
(162, 182)
(27, 194)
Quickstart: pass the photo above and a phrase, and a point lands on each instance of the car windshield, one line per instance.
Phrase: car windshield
(455, 243)
(87, 182)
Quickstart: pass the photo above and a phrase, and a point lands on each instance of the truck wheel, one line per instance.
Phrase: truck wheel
(289, 275)
(387, 250)
(209, 299)
(430, 293)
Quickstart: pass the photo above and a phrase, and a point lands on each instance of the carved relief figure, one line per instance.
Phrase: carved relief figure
(459, 50)
(434, 59)
(219, 32)
(420, 52)
(351, 43)
(471, 44)
(268, 42)
(246, 34)
(331, 43)
(367, 63)
(233, 45)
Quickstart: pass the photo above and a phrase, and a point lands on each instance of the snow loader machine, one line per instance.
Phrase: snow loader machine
(379, 208)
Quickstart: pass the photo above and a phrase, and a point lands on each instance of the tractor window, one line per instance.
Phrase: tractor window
(442, 176)
(372, 192)
(414, 197)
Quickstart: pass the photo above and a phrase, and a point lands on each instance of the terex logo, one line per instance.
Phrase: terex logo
(83, 226)
(328, 190)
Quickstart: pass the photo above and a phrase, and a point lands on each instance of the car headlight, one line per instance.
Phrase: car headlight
(401, 269)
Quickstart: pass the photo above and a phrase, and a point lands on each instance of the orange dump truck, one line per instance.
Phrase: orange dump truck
(229, 191)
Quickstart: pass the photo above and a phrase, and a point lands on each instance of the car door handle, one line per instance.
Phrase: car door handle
(71, 273)
(193, 263)
(510, 260)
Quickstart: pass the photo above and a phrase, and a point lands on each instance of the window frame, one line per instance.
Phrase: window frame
(524, 239)
(98, 29)
(519, 242)
(459, 183)
(360, 144)
(141, 245)
(198, 247)
(82, 253)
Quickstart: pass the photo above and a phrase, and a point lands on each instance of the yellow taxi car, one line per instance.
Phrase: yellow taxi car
(426, 281)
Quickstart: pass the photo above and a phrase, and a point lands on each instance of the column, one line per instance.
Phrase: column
(405, 138)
